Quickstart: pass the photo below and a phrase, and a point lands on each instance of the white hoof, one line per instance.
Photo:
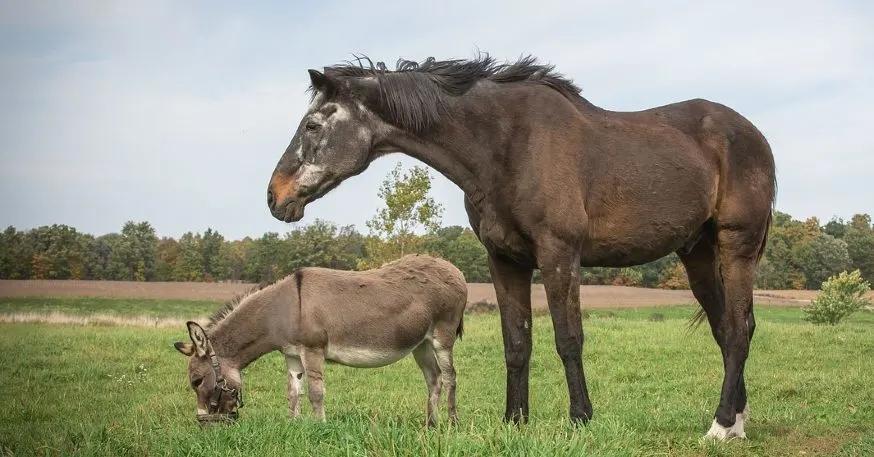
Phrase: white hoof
(746, 412)
(720, 433)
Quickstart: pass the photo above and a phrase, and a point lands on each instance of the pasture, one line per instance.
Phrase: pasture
(122, 390)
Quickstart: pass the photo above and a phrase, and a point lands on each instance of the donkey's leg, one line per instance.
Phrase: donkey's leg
(513, 289)
(444, 341)
(427, 361)
(559, 265)
(314, 362)
(295, 379)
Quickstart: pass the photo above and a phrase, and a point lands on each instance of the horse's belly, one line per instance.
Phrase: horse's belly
(626, 244)
(364, 357)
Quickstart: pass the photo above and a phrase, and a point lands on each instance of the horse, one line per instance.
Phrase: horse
(553, 182)
(369, 318)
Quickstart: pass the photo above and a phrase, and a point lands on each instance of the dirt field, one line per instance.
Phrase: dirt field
(591, 296)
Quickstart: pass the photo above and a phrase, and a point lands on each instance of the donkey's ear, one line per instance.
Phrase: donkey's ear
(198, 338)
(184, 348)
(322, 82)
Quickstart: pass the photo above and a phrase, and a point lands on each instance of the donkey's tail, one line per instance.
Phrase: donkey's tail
(459, 332)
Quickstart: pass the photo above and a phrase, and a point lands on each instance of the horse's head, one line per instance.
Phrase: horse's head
(217, 389)
(335, 140)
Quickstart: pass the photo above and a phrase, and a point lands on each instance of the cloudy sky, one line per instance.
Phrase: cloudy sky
(176, 112)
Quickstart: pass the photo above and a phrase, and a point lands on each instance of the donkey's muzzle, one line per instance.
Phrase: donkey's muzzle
(217, 418)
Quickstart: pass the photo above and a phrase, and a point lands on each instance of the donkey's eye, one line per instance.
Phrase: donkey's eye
(313, 126)
(196, 383)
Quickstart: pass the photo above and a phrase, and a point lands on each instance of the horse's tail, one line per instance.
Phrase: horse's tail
(699, 315)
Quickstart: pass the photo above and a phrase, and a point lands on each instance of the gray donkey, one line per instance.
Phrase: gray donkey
(356, 318)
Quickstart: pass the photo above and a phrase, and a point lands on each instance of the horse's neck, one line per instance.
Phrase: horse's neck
(247, 332)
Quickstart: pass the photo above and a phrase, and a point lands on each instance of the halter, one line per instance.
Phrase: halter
(221, 386)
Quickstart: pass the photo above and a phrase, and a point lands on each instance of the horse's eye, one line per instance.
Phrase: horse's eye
(313, 126)
(196, 383)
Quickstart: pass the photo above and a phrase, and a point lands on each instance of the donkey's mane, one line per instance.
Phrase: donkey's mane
(412, 96)
(226, 309)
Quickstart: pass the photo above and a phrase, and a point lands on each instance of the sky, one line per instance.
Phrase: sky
(177, 112)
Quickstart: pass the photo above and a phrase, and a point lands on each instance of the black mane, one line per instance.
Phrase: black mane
(412, 96)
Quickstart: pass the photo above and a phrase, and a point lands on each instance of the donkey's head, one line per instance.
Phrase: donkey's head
(218, 395)
(334, 140)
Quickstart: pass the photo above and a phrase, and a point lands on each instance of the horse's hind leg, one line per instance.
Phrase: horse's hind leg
(706, 281)
(427, 361)
(444, 341)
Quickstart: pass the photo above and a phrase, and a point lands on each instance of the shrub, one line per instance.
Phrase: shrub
(841, 296)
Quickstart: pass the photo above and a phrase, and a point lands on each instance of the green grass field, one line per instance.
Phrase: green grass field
(104, 390)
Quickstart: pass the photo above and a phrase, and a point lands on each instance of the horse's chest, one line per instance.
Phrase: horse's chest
(502, 238)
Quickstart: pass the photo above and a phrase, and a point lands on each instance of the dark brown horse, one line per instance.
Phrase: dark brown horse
(553, 182)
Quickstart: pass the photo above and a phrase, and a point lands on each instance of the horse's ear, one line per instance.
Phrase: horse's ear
(186, 349)
(198, 338)
(322, 82)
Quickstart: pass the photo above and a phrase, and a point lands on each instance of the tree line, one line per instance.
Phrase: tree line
(799, 254)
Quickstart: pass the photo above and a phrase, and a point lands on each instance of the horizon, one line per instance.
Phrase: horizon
(176, 114)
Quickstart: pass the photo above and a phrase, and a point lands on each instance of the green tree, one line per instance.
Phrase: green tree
(15, 254)
(408, 208)
(267, 260)
(238, 254)
(820, 258)
(58, 252)
(166, 256)
(461, 247)
(215, 263)
(133, 254)
(189, 262)
(860, 245)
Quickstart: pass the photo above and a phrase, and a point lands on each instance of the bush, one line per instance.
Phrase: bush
(841, 296)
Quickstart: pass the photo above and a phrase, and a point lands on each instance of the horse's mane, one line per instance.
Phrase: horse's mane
(412, 96)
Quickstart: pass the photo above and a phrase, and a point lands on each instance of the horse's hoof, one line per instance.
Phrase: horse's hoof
(720, 433)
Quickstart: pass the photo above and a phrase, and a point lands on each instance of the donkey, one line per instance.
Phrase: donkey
(553, 182)
(360, 319)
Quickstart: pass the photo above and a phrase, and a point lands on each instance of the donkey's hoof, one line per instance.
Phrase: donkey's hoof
(720, 433)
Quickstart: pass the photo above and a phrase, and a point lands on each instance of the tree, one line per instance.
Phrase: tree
(323, 244)
(461, 247)
(860, 245)
(15, 254)
(821, 257)
(133, 255)
(267, 259)
(58, 252)
(408, 208)
(166, 256)
(214, 264)
(189, 262)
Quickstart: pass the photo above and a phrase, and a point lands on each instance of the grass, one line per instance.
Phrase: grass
(104, 390)
(109, 306)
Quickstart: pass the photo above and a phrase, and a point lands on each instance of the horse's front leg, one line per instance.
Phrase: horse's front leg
(513, 289)
(314, 362)
(559, 265)
(295, 379)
